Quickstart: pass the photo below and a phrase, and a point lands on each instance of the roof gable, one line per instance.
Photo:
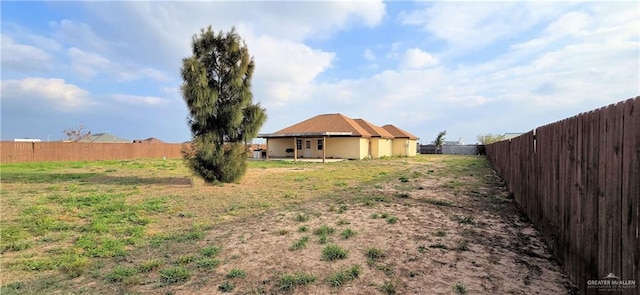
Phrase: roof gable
(399, 133)
(103, 137)
(327, 123)
(374, 130)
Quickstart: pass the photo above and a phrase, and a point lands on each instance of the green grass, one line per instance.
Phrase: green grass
(289, 282)
(236, 273)
(347, 233)
(334, 252)
(120, 273)
(210, 251)
(206, 263)
(374, 253)
(301, 217)
(174, 275)
(299, 244)
(324, 230)
(93, 216)
(150, 265)
(185, 259)
(226, 287)
(338, 278)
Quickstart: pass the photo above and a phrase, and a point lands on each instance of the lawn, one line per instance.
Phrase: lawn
(434, 223)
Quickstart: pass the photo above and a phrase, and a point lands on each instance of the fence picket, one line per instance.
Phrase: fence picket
(579, 182)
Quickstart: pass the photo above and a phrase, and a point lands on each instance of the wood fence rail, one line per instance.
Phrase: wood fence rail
(578, 180)
(18, 152)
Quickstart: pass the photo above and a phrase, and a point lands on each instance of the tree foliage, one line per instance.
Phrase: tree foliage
(439, 141)
(76, 133)
(217, 90)
(489, 138)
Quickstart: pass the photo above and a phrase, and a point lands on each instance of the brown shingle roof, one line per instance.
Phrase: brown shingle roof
(374, 130)
(398, 133)
(326, 123)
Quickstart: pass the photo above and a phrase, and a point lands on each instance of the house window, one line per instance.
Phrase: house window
(320, 144)
(308, 144)
(299, 144)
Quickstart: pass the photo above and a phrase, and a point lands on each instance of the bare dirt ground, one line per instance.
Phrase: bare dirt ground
(457, 234)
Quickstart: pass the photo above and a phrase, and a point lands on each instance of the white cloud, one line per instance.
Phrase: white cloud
(55, 92)
(469, 26)
(369, 55)
(138, 100)
(22, 57)
(79, 34)
(86, 65)
(416, 59)
(283, 67)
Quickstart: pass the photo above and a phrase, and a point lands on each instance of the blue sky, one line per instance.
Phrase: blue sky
(466, 67)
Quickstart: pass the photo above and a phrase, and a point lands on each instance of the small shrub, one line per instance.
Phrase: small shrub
(388, 288)
(236, 273)
(463, 245)
(392, 219)
(342, 222)
(374, 216)
(334, 252)
(384, 215)
(299, 244)
(459, 288)
(289, 282)
(226, 287)
(303, 229)
(374, 253)
(403, 179)
(282, 232)
(422, 249)
(385, 268)
(342, 209)
(347, 233)
(300, 217)
(174, 275)
(403, 195)
(465, 220)
(440, 233)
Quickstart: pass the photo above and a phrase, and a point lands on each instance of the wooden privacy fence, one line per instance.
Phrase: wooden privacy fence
(578, 180)
(18, 152)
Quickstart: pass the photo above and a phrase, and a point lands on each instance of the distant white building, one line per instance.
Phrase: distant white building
(26, 140)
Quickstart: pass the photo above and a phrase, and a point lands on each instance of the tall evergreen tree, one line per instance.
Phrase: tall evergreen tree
(217, 90)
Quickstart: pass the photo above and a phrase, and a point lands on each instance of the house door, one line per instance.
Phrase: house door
(307, 149)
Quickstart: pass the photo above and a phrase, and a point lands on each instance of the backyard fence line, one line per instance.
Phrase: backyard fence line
(20, 152)
(578, 180)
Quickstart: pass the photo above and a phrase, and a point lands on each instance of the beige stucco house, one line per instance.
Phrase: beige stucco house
(404, 143)
(336, 136)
